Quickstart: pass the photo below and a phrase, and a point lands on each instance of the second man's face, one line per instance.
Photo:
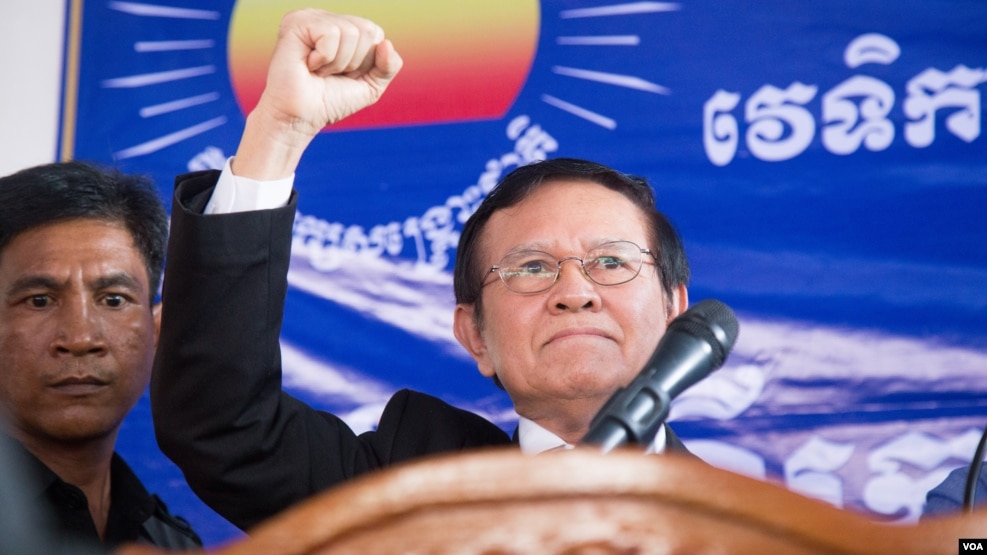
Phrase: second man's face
(577, 342)
(77, 331)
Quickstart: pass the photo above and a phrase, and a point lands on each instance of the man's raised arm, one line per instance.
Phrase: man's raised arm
(246, 448)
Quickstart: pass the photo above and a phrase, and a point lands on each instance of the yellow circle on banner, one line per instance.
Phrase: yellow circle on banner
(463, 61)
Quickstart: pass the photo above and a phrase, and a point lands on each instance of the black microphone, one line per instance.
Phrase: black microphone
(973, 475)
(695, 343)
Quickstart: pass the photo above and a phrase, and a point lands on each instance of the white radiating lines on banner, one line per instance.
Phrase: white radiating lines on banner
(167, 140)
(621, 9)
(176, 105)
(166, 76)
(152, 10)
(599, 40)
(587, 115)
(617, 80)
(627, 81)
(172, 45)
(147, 79)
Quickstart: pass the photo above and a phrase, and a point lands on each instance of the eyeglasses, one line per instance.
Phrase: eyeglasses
(533, 271)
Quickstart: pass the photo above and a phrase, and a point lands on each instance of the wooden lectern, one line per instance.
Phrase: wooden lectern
(499, 502)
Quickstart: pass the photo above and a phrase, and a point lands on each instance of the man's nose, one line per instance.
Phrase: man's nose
(80, 330)
(573, 289)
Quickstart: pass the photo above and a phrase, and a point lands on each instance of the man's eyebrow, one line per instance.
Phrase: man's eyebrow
(546, 247)
(33, 282)
(47, 282)
(118, 279)
(540, 246)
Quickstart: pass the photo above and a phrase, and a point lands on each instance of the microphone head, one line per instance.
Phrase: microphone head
(713, 322)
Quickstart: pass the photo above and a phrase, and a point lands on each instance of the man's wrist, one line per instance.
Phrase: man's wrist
(269, 149)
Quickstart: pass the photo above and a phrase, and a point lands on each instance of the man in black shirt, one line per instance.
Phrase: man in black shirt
(81, 255)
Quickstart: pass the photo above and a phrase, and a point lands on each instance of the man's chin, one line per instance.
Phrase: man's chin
(82, 431)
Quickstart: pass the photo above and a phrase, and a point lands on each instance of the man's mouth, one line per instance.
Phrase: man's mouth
(79, 385)
(576, 333)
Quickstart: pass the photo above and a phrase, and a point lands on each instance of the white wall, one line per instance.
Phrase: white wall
(31, 36)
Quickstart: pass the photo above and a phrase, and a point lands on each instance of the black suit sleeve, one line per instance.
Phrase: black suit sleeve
(246, 448)
(219, 413)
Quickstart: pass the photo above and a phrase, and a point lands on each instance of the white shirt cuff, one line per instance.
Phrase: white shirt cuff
(241, 194)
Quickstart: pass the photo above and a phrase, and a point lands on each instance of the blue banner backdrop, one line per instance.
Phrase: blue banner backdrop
(824, 161)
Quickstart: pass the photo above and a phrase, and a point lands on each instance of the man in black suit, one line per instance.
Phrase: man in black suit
(566, 278)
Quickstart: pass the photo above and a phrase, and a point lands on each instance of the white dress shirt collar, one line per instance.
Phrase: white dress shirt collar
(536, 439)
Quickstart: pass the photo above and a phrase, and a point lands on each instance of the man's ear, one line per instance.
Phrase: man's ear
(156, 314)
(679, 301)
(467, 332)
